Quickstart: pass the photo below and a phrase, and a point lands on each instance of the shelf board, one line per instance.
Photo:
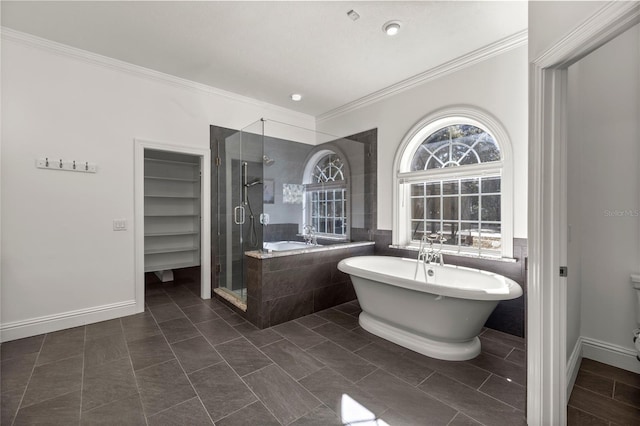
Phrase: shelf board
(170, 234)
(172, 179)
(185, 197)
(170, 250)
(165, 266)
(157, 160)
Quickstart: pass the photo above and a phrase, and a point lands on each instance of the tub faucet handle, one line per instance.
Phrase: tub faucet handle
(309, 234)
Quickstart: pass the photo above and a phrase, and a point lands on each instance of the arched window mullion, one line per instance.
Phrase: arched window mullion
(469, 149)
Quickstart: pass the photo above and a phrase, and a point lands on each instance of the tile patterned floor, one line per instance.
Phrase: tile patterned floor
(195, 362)
(604, 395)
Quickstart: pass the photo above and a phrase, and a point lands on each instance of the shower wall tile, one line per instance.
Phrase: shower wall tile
(508, 319)
(290, 307)
(295, 280)
(327, 297)
(254, 278)
(281, 232)
(253, 313)
(360, 234)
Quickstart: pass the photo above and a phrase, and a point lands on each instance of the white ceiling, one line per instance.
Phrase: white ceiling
(268, 50)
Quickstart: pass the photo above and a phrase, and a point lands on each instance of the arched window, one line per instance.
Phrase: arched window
(326, 204)
(454, 178)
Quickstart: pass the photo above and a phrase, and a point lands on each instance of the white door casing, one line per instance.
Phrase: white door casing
(546, 331)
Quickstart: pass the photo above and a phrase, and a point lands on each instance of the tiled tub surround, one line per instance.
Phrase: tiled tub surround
(189, 361)
(282, 286)
(509, 316)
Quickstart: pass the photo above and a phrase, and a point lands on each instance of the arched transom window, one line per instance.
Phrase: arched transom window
(328, 169)
(450, 182)
(455, 145)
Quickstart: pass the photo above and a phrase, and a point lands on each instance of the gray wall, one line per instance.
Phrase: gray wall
(288, 168)
(603, 197)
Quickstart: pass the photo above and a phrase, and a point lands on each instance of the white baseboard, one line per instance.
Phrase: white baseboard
(573, 365)
(611, 354)
(47, 324)
(604, 352)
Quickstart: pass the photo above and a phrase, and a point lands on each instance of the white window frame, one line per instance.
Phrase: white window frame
(403, 177)
(311, 185)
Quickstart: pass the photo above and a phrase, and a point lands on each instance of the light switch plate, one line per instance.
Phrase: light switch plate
(119, 224)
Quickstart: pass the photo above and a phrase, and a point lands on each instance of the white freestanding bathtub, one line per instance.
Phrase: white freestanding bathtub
(440, 316)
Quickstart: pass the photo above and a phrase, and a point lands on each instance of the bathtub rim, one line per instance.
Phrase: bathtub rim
(259, 254)
(299, 244)
(515, 289)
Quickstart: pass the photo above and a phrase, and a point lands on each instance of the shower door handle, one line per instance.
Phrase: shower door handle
(238, 215)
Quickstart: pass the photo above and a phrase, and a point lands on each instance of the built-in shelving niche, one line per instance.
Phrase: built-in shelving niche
(171, 211)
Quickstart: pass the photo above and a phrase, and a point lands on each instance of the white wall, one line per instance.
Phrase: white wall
(604, 194)
(574, 215)
(497, 85)
(60, 254)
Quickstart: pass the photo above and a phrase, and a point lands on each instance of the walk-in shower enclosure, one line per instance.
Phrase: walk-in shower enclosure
(276, 182)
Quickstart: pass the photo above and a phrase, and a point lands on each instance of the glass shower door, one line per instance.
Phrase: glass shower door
(239, 206)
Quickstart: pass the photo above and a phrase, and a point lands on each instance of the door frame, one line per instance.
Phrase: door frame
(547, 381)
(205, 213)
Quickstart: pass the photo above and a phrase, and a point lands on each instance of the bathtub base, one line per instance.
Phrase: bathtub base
(448, 351)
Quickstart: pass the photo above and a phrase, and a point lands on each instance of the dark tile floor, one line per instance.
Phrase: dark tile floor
(604, 395)
(194, 362)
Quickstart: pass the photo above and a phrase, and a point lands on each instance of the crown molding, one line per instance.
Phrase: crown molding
(604, 25)
(136, 70)
(494, 49)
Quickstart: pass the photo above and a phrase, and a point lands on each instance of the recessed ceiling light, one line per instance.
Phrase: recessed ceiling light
(391, 28)
(296, 97)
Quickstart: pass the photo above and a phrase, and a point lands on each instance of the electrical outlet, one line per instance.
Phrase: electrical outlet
(119, 224)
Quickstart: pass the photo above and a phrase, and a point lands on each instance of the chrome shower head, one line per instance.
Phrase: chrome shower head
(267, 160)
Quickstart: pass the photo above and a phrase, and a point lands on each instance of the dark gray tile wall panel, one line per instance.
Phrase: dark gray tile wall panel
(284, 288)
(281, 232)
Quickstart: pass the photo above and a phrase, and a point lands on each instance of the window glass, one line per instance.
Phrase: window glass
(455, 145)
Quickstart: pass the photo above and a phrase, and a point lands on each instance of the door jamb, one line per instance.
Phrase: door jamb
(546, 331)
